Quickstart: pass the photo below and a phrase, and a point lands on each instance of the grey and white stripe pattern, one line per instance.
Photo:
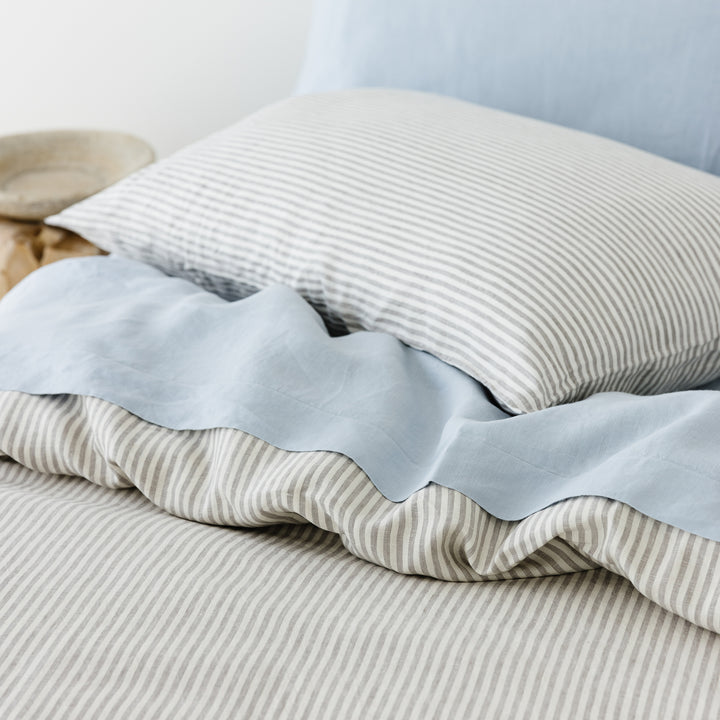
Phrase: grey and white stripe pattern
(111, 608)
(547, 263)
(229, 478)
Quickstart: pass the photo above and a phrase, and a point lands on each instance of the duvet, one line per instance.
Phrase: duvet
(562, 564)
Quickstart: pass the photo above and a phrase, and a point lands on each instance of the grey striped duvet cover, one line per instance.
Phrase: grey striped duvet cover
(111, 607)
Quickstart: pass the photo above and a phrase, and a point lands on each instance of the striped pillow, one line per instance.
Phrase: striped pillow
(547, 263)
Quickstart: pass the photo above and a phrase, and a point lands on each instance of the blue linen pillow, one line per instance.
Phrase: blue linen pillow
(645, 72)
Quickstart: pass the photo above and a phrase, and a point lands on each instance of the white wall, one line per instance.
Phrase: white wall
(170, 71)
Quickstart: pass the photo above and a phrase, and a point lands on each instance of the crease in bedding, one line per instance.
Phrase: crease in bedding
(230, 478)
(179, 357)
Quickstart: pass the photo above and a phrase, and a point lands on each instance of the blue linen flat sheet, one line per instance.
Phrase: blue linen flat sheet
(183, 358)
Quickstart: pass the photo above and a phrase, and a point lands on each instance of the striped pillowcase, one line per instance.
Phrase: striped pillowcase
(547, 263)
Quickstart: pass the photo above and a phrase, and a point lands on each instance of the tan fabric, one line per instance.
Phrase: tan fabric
(25, 246)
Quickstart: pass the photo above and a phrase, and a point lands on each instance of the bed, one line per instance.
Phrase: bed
(386, 403)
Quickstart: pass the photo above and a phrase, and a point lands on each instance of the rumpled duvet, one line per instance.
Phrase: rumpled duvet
(249, 414)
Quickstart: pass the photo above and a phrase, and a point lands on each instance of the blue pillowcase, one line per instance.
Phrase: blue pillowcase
(645, 72)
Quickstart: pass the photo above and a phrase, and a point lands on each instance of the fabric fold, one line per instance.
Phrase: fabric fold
(230, 478)
(184, 359)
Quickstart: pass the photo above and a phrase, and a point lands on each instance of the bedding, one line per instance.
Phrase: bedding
(546, 263)
(229, 508)
(150, 571)
(113, 608)
(229, 478)
(644, 72)
(185, 359)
